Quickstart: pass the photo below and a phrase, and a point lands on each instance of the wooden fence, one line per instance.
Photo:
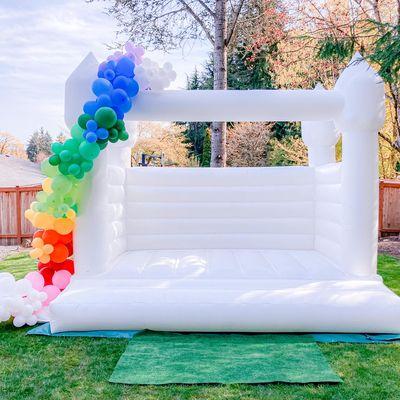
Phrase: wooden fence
(14, 227)
(389, 206)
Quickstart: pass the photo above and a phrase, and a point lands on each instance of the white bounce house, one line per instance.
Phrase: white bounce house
(280, 249)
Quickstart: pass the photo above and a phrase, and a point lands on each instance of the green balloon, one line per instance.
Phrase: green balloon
(54, 160)
(61, 185)
(63, 168)
(105, 117)
(41, 197)
(103, 145)
(77, 132)
(74, 169)
(89, 151)
(57, 147)
(83, 119)
(72, 145)
(120, 125)
(53, 200)
(87, 165)
(41, 207)
(123, 135)
(65, 156)
(113, 133)
(113, 139)
(48, 169)
(80, 175)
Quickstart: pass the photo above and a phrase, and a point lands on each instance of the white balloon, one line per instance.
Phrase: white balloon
(19, 321)
(4, 314)
(23, 286)
(32, 320)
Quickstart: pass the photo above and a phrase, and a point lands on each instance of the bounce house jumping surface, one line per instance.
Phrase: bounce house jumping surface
(283, 249)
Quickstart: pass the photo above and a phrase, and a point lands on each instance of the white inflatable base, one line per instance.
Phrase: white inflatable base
(227, 291)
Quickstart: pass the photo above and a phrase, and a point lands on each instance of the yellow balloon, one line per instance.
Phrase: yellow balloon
(45, 258)
(36, 253)
(48, 248)
(29, 214)
(37, 242)
(46, 185)
(71, 214)
(63, 226)
(43, 221)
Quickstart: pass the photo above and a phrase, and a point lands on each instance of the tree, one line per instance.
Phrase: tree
(168, 24)
(39, 145)
(10, 145)
(206, 156)
(160, 139)
(61, 138)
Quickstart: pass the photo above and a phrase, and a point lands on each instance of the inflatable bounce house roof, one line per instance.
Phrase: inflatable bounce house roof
(279, 249)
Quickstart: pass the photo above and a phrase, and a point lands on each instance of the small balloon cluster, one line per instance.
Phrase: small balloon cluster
(22, 299)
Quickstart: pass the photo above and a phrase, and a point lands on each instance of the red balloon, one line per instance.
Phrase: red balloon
(65, 239)
(68, 265)
(70, 248)
(50, 237)
(47, 274)
(60, 253)
(38, 234)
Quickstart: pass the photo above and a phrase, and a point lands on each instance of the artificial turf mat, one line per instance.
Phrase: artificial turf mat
(156, 358)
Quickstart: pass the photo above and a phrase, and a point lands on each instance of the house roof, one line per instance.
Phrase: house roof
(17, 172)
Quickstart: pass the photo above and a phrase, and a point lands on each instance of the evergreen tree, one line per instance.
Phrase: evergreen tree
(206, 156)
(39, 144)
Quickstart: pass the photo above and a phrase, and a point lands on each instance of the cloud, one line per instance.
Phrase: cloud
(41, 43)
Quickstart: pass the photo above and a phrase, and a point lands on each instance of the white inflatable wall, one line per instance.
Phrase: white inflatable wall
(236, 249)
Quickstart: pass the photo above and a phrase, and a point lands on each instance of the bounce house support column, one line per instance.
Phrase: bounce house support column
(362, 116)
(320, 137)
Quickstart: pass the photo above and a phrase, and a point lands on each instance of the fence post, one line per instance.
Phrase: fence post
(18, 201)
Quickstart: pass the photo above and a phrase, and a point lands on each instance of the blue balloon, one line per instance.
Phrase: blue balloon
(102, 68)
(104, 100)
(120, 114)
(125, 67)
(91, 137)
(111, 64)
(109, 74)
(133, 88)
(102, 133)
(100, 74)
(91, 125)
(101, 86)
(130, 86)
(90, 107)
(119, 97)
(126, 106)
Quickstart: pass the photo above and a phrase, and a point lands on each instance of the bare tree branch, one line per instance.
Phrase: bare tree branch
(234, 22)
(199, 20)
(211, 12)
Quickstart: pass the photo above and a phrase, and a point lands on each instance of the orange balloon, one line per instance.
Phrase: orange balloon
(43, 220)
(38, 234)
(60, 253)
(51, 237)
(63, 226)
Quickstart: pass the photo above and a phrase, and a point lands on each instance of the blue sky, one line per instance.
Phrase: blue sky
(41, 42)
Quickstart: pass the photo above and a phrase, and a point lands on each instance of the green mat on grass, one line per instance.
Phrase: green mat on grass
(155, 358)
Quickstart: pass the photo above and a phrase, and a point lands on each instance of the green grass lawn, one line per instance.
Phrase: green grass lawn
(34, 367)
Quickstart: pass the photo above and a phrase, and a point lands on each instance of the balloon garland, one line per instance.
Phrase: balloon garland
(54, 212)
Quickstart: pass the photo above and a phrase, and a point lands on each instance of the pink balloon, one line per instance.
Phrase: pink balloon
(61, 278)
(52, 292)
(36, 279)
